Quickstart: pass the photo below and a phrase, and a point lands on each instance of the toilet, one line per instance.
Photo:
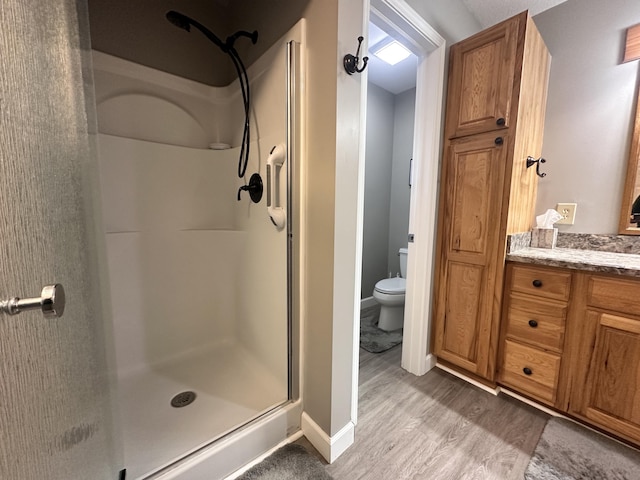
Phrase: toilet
(389, 293)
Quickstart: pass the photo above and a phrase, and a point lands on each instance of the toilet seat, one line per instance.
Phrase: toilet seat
(392, 286)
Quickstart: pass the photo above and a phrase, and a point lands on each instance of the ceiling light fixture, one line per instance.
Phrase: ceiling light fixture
(392, 53)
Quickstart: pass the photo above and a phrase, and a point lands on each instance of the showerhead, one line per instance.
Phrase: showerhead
(179, 20)
(182, 21)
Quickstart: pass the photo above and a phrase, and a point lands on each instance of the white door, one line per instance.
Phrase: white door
(55, 420)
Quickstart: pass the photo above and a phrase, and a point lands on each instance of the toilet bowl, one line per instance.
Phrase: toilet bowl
(390, 294)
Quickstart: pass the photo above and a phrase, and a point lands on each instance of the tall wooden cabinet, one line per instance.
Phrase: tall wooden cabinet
(494, 120)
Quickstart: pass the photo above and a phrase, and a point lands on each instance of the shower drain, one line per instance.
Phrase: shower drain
(183, 399)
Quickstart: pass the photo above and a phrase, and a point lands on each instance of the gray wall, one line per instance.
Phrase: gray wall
(138, 31)
(404, 113)
(589, 110)
(377, 187)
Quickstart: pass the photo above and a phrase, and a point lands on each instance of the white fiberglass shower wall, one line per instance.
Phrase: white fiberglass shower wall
(199, 280)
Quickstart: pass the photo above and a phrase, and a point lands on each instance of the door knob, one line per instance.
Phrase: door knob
(51, 301)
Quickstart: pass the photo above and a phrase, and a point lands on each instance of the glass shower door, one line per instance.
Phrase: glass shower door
(54, 392)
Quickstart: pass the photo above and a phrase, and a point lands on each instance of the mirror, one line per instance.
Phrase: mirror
(630, 209)
(630, 213)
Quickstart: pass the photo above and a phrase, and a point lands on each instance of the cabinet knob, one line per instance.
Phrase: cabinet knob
(527, 371)
(501, 121)
(499, 141)
(537, 283)
(533, 323)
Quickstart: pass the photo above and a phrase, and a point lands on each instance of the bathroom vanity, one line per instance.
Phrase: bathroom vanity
(570, 335)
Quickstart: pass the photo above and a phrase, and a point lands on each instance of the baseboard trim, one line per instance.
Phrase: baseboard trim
(329, 447)
(531, 403)
(368, 302)
(430, 362)
(486, 388)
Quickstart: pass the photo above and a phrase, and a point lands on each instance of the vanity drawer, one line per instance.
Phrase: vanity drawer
(541, 282)
(538, 322)
(615, 294)
(530, 371)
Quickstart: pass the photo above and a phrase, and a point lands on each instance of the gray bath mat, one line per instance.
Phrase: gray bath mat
(567, 451)
(372, 339)
(291, 462)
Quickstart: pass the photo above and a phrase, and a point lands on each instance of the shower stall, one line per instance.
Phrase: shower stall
(202, 279)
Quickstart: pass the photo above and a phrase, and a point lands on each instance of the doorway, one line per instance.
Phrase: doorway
(402, 23)
(391, 99)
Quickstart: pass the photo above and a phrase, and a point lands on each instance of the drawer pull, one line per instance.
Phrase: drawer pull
(537, 283)
(527, 371)
(500, 122)
(533, 323)
(498, 141)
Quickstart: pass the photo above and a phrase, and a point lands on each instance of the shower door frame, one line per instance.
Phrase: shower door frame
(294, 145)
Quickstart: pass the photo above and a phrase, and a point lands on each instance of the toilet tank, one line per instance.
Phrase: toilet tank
(403, 262)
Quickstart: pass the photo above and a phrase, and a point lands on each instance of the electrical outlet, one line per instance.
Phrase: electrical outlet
(568, 212)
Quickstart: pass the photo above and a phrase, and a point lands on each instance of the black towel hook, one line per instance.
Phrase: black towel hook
(531, 161)
(351, 62)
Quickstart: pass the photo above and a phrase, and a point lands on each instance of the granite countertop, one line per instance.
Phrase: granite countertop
(589, 260)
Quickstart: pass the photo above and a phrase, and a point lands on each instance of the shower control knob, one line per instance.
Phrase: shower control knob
(254, 188)
(51, 302)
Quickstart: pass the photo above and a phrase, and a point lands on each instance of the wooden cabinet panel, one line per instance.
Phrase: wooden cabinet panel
(483, 70)
(537, 322)
(475, 173)
(460, 336)
(541, 282)
(474, 167)
(530, 370)
(614, 294)
(606, 388)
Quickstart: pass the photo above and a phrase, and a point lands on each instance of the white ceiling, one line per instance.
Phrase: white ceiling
(393, 78)
(490, 12)
(402, 76)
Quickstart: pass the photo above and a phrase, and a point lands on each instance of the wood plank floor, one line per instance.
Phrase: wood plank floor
(434, 427)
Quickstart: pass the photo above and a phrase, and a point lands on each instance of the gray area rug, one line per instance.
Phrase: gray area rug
(291, 462)
(567, 451)
(372, 339)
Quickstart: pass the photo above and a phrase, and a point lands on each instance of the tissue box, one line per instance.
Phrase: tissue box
(544, 237)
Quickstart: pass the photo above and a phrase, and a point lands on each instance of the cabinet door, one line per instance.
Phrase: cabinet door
(607, 385)
(473, 177)
(481, 77)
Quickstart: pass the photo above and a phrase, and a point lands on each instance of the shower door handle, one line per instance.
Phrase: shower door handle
(275, 210)
(51, 301)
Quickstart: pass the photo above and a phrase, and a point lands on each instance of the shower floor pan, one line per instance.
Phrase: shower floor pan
(231, 387)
